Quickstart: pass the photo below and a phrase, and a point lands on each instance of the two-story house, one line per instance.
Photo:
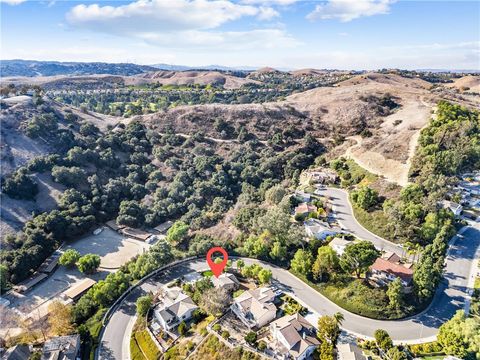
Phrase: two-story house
(296, 335)
(255, 308)
(388, 268)
(174, 308)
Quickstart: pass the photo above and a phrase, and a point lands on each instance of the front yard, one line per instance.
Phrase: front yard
(142, 346)
(214, 349)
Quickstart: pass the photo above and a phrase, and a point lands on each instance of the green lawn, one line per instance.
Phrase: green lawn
(135, 352)
(145, 344)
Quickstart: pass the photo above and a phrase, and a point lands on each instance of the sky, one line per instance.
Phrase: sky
(286, 34)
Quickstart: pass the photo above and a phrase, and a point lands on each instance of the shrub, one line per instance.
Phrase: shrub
(143, 305)
(216, 328)
(89, 263)
(262, 345)
(251, 337)
(19, 185)
(182, 328)
(383, 340)
(225, 334)
(69, 258)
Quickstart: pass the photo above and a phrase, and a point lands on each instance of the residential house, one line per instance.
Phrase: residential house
(304, 209)
(255, 308)
(61, 348)
(227, 281)
(302, 196)
(17, 352)
(339, 245)
(388, 268)
(349, 352)
(296, 335)
(319, 229)
(174, 308)
(322, 176)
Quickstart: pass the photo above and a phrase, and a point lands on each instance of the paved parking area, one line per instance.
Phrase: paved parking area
(114, 248)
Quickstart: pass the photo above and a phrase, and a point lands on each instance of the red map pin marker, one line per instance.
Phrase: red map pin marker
(217, 269)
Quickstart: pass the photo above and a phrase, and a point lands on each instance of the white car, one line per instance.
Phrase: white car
(97, 231)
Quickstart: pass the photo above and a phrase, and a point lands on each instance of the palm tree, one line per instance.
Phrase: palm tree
(338, 316)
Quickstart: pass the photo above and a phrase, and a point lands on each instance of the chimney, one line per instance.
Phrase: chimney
(304, 335)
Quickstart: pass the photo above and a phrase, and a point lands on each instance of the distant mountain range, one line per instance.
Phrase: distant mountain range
(50, 68)
(31, 68)
(208, 67)
(464, 71)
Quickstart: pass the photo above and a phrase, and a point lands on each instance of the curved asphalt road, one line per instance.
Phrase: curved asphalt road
(344, 214)
(452, 294)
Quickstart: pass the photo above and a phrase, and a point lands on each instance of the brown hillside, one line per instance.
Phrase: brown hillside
(389, 79)
(193, 78)
(307, 72)
(467, 83)
(59, 82)
(350, 109)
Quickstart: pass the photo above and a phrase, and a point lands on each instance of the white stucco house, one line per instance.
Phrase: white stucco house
(339, 245)
(319, 229)
(174, 308)
(295, 335)
(255, 308)
(227, 281)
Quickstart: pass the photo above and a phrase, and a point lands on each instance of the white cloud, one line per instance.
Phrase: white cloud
(348, 10)
(225, 40)
(181, 23)
(267, 13)
(161, 15)
(12, 2)
(269, 2)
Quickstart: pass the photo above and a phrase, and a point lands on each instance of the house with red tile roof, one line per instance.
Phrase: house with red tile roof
(390, 267)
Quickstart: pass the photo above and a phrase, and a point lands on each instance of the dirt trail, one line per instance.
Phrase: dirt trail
(414, 117)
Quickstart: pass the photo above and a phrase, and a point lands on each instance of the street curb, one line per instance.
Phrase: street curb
(355, 219)
(116, 304)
